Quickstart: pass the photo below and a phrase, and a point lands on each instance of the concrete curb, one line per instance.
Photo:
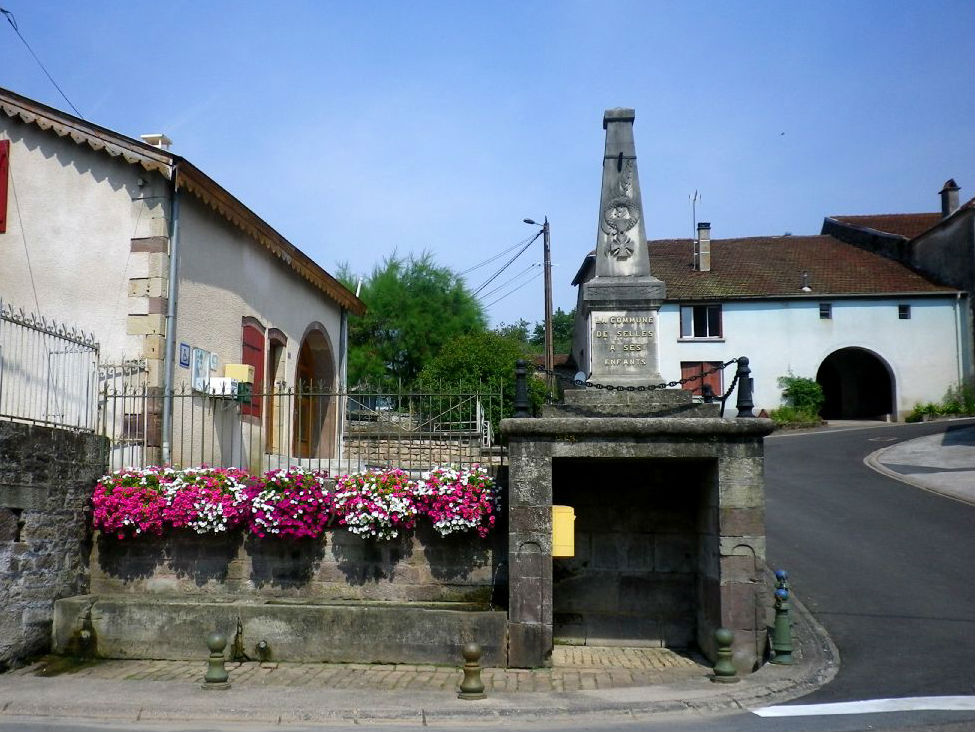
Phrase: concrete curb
(183, 701)
(873, 461)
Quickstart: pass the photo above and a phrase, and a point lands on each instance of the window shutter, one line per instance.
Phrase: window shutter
(252, 353)
(4, 172)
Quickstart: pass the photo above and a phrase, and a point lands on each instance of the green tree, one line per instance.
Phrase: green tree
(482, 359)
(562, 324)
(518, 332)
(415, 308)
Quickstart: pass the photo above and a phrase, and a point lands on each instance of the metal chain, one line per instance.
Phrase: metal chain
(645, 387)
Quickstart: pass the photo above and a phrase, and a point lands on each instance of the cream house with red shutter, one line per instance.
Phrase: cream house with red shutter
(878, 335)
(133, 243)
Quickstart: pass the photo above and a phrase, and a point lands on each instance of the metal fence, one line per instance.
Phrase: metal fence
(307, 426)
(48, 372)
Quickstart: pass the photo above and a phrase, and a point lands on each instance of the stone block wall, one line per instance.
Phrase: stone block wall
(422, 567)
(46, 476)
(633, 579)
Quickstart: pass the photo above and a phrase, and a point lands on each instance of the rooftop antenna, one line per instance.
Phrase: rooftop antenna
(694, 199)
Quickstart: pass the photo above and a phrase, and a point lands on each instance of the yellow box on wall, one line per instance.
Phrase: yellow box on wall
(563, 531)
(241, 371)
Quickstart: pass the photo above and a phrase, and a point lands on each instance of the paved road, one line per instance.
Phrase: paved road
(887, 568)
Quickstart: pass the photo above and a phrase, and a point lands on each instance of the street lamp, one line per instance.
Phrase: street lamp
(549, 346)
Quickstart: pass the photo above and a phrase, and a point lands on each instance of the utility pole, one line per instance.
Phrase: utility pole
(549, 357)
(549, 344)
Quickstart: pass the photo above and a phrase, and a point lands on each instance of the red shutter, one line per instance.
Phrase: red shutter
(252, 353)
(4, 170)
(696, 368)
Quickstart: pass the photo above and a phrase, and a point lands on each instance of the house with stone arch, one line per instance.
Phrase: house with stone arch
(185, 288)
(878, 333)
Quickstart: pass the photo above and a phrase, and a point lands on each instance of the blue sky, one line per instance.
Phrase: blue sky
(363, 129)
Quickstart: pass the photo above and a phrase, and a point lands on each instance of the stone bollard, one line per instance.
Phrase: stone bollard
(782, 631)
(216, 676)
(724, 670)
(472, 687)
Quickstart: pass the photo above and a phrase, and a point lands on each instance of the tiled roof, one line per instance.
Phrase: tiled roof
(772, 267)
(906, 225)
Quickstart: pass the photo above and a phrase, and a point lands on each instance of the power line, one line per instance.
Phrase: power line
(527, 282)
(507, 282)
(496, 256)
(13, 24)
(507, 264)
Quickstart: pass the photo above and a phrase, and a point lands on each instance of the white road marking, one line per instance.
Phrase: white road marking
(871, 706)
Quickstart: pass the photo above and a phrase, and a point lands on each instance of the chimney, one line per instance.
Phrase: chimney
(949, 198)
(157, 139)
(702, 247)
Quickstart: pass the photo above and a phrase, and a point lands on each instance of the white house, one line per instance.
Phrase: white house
(176, 279)
(878, 336)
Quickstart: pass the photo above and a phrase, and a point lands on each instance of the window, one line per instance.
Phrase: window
(252, 353)
(825, 311)
(700, 321)
(904, 312)
(690, 369)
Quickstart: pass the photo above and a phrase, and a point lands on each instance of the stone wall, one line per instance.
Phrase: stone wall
(423, 567)
(46, 476)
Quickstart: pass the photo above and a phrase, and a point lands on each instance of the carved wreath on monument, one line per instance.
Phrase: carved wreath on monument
(620, 215)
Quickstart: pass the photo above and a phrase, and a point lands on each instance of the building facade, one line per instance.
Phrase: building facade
(180, 283)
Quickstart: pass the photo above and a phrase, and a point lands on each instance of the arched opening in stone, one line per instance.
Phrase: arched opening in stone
(313, 435)
(857, 384)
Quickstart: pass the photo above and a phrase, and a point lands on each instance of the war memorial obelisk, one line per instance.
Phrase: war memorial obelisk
(668, 496)
(616, 329)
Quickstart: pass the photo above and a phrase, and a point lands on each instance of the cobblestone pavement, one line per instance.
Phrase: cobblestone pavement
(575, 668)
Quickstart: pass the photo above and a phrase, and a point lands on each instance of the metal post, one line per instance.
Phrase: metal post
(522, 405)
(549, 344)
(216, 676)
(724, 669)
(471, 687)
(782, 630)
(745, 402)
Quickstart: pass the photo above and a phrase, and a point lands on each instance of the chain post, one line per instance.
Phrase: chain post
(522, 405)
(743, 376)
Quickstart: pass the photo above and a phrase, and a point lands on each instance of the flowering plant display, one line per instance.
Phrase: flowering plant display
(207, 500)
(294, 503)
(131, 501)
(376, 504)
(458, 500)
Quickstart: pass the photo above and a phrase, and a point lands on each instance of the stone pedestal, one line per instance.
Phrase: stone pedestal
(723, 570)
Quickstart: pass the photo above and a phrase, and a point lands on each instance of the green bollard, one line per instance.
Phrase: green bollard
(781, 631)
(724, 670)
(472, 687)
(216, 676)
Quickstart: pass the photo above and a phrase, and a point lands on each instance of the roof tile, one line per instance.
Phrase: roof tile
(773, 267)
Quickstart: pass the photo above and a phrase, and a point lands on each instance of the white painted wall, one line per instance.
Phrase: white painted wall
(224, 275)
(71, 213)
(780, 337)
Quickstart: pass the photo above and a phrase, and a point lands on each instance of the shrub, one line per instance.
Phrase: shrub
(207, 500)
(293, 503)
(806, 395)
(131, 502)
(375, 504)
(958, 400)
(458, 500)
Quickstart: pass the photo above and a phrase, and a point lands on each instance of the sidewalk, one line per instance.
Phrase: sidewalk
(943, 463)
(613, 682)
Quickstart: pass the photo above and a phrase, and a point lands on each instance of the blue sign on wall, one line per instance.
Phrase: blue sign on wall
(184, 355)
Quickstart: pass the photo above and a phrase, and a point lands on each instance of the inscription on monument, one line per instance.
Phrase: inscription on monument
(623, 342)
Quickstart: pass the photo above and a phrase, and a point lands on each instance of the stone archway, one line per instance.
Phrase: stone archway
(313, 435)
(857, 384)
